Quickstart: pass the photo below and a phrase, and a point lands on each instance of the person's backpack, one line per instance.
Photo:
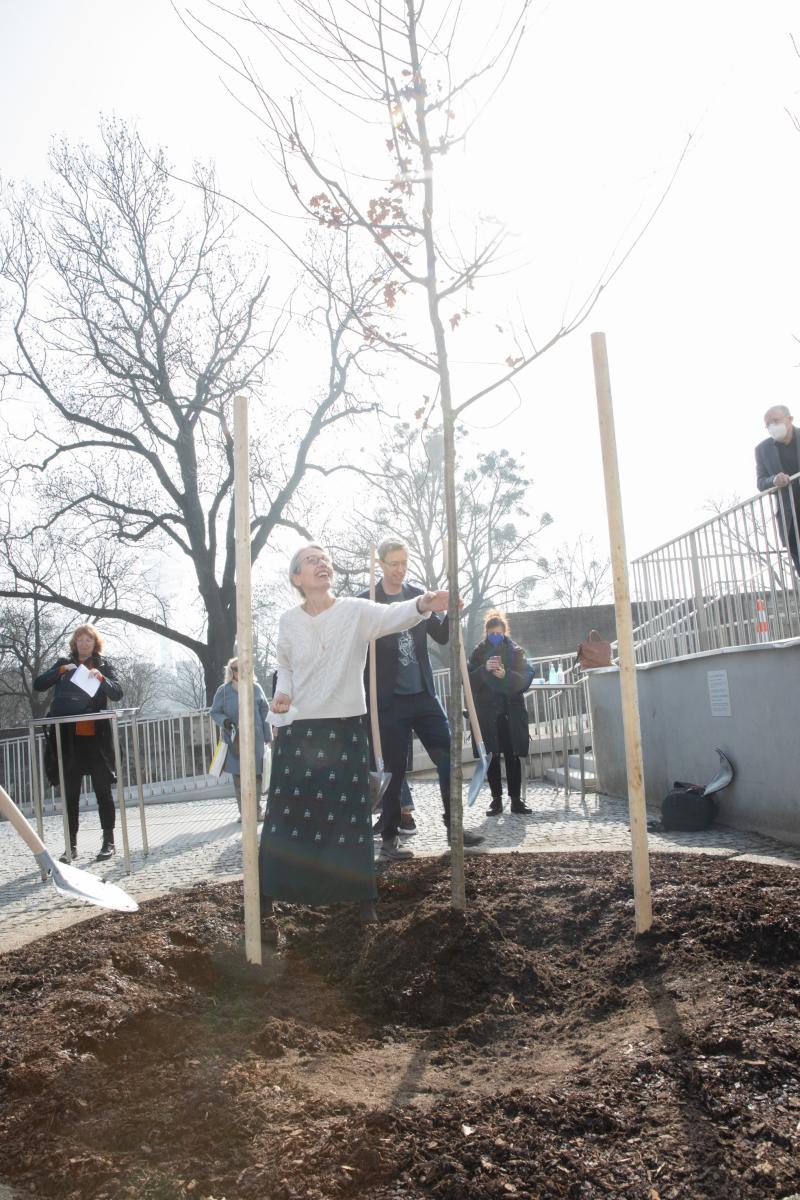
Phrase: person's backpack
(686, 808)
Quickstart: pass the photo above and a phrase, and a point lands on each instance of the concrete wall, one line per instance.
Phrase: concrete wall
(744, 700)
(549, 631)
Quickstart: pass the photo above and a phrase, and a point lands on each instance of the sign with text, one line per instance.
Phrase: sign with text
(718, 693)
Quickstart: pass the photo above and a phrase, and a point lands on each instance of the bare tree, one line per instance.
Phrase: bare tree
(133, 326)
(32, 636)
(497, 535)
(577, 574)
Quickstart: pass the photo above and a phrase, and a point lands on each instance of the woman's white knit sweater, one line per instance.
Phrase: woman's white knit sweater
(321, 659)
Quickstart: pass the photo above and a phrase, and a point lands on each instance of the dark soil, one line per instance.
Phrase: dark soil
(530, 1048)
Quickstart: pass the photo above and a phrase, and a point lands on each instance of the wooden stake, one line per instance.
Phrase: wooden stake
(643, 912)
(244, 650)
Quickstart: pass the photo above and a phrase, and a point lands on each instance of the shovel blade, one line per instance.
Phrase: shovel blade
(378, 783)
(72, 881)
(478, 775)
(723, 776)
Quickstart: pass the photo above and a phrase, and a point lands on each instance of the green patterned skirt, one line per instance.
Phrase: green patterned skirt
(316, 841)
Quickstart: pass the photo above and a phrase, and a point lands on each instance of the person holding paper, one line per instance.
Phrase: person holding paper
(316, 842)
(225, 712)
(84, 682)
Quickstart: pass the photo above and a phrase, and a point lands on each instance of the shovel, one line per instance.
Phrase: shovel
(378, 779)
(482, 765)
(69, 880)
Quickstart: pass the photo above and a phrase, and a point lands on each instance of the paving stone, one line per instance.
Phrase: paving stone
(201, 839)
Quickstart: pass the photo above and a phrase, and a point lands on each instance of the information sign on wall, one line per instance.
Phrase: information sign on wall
(718, 693)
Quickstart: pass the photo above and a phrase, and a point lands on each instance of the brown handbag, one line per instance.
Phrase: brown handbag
(594, 652)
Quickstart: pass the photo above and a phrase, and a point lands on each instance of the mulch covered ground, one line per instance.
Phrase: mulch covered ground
(530, 1048)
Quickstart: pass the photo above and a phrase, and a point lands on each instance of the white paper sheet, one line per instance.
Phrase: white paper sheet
(281, 719)
(86, 682)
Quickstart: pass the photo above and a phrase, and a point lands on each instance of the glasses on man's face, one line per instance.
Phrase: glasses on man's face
(314, 560)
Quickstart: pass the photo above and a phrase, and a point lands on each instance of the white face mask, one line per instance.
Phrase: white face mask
(777, 430)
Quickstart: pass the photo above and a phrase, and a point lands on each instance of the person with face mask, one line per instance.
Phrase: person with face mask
(499, 674)
(776, 462)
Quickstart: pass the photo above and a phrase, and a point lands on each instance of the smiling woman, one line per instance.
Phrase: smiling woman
(316, 843)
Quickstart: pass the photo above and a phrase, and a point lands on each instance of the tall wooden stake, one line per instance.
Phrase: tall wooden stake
(244, 650)
(643, 912)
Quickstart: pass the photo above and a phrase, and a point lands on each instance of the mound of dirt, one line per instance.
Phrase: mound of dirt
(531, 1047)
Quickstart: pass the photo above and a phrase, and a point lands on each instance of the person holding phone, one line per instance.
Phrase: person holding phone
(499, 674)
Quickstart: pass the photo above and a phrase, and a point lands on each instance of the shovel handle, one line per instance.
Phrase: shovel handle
(9, 809)
(473, 715)
(377, 749)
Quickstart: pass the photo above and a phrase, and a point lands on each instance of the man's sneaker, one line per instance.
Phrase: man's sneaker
(495, 808)
(470, 839)
(408, 826)
(64, 859)
(517, 806)
(107, 848)
(391, 851)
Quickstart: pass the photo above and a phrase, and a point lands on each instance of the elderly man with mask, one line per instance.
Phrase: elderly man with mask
(776, 461)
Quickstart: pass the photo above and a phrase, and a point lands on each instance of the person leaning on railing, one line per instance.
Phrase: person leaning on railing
(86, 746)
(777, 459)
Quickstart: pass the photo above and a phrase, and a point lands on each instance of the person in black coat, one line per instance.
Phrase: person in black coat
(86, 745)
(499, 674)
(777, 459)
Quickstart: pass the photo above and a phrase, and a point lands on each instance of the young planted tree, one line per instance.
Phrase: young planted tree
(134, 322)
(384, 74)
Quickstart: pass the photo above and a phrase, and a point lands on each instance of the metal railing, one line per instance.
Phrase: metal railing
(175, 751)
(727, 582)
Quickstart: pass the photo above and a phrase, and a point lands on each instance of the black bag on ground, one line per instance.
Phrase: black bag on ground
(686, 808)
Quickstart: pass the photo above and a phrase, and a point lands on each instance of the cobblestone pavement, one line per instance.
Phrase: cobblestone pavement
(200, 839)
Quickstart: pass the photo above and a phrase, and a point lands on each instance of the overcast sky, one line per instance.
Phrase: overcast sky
(701, 323)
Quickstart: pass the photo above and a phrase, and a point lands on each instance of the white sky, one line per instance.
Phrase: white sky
(701, 323)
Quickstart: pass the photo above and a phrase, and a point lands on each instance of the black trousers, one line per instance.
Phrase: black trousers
(87, 759)
(423, 715)
(513, 765)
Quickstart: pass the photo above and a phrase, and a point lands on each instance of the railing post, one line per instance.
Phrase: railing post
(699, 599)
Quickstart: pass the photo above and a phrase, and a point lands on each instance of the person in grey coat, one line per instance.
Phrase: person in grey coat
(225, 712)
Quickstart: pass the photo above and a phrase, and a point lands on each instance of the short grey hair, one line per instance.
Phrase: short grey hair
(294, 565)
(777, 408)
(389, 545)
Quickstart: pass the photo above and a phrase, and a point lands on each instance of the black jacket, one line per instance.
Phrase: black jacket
(387, 652)
(495, 697)
(70, 700)
(768, 465)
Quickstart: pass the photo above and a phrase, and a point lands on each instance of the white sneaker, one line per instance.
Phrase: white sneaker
(391, 851)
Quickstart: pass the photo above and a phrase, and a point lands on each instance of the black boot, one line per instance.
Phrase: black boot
(107, 849)
(518, 806)
(496, 807)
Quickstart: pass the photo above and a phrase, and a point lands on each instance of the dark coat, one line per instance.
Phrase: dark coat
(768, 465)
(69, 700)
(495, 697)
(387, 648)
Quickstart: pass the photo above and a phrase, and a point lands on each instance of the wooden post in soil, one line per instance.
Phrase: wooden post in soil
(643, 913)
(244, 650)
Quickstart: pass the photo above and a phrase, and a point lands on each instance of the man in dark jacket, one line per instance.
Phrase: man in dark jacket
(407, 702)
(776, 461)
